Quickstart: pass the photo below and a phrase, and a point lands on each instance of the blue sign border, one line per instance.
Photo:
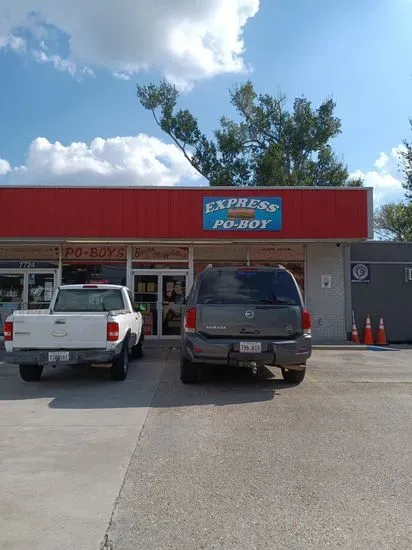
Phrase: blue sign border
(242, 213)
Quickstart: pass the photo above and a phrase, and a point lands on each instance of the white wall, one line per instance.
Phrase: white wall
(327, 305)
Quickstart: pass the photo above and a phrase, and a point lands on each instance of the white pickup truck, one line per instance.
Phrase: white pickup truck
(90, 324)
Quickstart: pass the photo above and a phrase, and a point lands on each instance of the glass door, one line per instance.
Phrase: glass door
(11, 295)
(173, 286)
(159, 296)
(146, 297)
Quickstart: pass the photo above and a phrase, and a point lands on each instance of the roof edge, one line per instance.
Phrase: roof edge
(181, 188)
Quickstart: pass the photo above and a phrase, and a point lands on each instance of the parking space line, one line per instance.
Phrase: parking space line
(311, 379)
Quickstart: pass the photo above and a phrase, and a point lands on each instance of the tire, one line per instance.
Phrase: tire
(120, 366)
(137, 350)
(30, 373)
(189, 371)
(293, 376)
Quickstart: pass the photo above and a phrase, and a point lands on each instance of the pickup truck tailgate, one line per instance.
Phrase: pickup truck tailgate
(47, 331)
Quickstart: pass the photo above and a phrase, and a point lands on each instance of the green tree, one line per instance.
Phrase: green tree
(393, 222)
(406, 160)
(268, 146)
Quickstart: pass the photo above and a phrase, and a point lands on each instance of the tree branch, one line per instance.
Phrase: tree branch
(181, 147)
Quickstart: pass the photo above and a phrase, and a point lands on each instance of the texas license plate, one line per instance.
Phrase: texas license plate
(58, 356)
(250, 347)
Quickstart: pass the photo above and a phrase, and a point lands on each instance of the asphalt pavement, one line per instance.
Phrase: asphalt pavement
(232, 463)
(65, 446)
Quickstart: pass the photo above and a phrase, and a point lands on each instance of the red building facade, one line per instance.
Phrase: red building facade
(156, 239)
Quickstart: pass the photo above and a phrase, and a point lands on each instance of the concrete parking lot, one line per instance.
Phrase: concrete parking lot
(232, 463)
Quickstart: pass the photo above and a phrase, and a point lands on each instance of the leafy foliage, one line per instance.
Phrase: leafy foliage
(406, 158)
(393, 222)
(268, 146)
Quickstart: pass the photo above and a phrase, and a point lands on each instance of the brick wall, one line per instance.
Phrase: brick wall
(327, 305)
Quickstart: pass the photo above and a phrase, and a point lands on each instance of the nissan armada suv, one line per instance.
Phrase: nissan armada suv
(246, 317)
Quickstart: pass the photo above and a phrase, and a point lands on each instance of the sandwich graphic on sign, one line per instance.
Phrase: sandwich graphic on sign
(241, 214)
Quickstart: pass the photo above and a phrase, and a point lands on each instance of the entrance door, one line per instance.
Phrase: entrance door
(174, 291)
(11, 295)
(161, 295)
(146, 295)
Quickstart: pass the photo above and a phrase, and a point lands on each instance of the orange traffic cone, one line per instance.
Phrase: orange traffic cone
(381, 340)
(368, 338)
(355, 335)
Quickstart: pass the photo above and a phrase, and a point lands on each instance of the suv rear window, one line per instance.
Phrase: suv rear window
(248, 286)
(89, 300)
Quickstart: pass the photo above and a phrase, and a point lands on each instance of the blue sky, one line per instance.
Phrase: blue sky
(357, 51)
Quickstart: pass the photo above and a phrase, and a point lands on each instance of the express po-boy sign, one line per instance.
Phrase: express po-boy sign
(242, 214)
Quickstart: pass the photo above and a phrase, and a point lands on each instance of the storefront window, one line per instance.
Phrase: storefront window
(114, 274)
(40, 290)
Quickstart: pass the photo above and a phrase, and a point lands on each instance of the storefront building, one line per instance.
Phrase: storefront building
(155, 240)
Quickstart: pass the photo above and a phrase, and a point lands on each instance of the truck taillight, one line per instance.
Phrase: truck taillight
(190, 320)
(306, 321)
(112, 331)
(8, 331)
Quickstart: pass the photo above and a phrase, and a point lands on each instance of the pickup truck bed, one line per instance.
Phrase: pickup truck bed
(94, 335)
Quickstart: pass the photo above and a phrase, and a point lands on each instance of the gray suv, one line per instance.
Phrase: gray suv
(246, 317)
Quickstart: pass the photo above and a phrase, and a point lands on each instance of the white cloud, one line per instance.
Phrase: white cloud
(185, 39)
(4, 167)
(124, 161)
(12, 42)
(63, 65)
(386, 179)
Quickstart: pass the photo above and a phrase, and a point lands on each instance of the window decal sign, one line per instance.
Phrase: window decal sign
(242, 213)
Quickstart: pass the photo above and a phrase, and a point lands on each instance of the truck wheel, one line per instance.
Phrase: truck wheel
(30, 373)
(120, 366)
(189, 371)
(293, 376)
(137, 350)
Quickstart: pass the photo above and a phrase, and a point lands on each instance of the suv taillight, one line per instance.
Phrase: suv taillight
(112, 331)
(190, 320)
(8, 331)
(306, 321)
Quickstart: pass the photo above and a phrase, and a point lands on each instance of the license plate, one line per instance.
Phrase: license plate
(57, 356)
(250, 347)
